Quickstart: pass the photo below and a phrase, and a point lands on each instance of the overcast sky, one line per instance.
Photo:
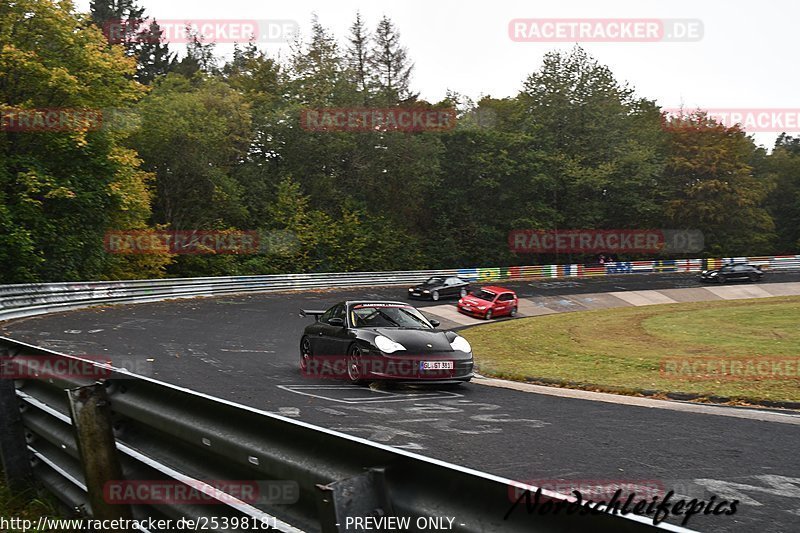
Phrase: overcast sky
(745, 59)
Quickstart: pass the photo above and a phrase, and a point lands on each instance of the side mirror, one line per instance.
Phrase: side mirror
(434, 323)
(338, 322)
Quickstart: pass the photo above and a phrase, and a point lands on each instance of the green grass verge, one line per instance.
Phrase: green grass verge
(26, 506)
(622, 350)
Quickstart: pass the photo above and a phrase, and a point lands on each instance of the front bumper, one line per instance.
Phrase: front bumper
(473, 312)
(419, 295)
(407, 368)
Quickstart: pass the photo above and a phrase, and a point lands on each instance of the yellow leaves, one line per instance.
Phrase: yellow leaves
(51, 54)
(39, 187)
(60, 193)
(130, 184)
(33, 182)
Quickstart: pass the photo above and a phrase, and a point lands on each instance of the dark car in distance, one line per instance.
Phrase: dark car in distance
(365, 341)
(440, 287)
(732, 272)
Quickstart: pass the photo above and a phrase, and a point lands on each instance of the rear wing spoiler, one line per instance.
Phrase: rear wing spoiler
(311, 312)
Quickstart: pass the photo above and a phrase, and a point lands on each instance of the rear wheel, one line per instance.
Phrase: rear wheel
(514, 311)
(463, 292)
(305, 354)
(435, 296)
(354, 366)
(489, 314)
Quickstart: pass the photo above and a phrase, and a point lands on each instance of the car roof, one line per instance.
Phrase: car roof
(495, 288)
(350, 303)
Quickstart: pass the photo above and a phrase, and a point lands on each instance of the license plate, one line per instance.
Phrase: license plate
(436, 365)
(415, 293)
(467, 308)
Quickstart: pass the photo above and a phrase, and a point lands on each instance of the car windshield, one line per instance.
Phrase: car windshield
(435, 281)
(485, 295)
(388, 316)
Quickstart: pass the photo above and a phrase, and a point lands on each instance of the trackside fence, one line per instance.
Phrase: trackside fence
(31, 299)
(163, 432)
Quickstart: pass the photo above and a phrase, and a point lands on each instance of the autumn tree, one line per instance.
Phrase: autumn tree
(602, 145)
(62, 190)
(783, 203)
(709, 185)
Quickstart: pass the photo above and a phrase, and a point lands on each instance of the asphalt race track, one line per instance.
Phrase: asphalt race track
(245, 349)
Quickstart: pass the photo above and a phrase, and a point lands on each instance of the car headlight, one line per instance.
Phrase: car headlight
(426, 291)
(410, 290)
(481, 307)
(461, 344)
(713, 273)
(387, 345)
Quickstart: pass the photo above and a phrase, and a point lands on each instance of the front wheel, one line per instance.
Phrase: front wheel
(753, 277)
(435, 296)
(355, 366)
(489, 314)
(463, 292)
(721, 279)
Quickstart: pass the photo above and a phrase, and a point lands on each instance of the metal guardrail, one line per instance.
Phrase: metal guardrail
(164, 432)
(31, 299)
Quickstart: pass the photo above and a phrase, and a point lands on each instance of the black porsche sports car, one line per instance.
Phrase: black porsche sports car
(440, 287)
(364, 341)
(736, 271)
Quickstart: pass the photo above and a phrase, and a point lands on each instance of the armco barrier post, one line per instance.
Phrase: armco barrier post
(364, 495)
(91, 417)
(13, 449)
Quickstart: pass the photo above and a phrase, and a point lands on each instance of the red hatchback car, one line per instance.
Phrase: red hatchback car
(489, 302)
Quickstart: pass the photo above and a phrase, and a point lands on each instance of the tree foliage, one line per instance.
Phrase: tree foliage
(60, 192)
(218, 145)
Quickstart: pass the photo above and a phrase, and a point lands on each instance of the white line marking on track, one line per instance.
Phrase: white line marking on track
(733, 412)
(246, 351)
(375, 396)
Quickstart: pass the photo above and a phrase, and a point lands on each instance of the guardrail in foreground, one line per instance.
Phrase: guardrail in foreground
(31, 299)
(164, 432)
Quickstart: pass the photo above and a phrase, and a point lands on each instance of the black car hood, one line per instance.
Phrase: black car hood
(416, 341)
(422, 286)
